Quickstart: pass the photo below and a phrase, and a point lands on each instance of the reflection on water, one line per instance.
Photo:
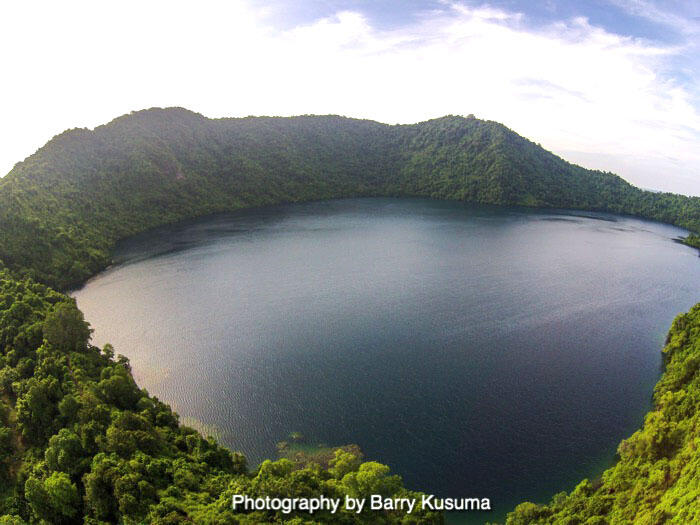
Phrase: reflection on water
(478, 351)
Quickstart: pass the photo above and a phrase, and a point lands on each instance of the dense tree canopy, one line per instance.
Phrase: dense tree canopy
(81, 443)
(62, 209)
(657, 477)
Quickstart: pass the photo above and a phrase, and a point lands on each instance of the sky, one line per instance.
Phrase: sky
(608, 84)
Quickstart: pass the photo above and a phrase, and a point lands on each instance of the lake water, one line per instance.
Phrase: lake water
(478, 351)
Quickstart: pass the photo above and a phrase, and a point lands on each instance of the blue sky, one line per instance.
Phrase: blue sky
(609, 84)
(627, 17)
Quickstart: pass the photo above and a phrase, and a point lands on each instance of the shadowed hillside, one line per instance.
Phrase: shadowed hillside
(62, 209)
(81, 443)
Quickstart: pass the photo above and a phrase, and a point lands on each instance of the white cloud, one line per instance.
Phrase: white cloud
(649, 10)
(599, 97)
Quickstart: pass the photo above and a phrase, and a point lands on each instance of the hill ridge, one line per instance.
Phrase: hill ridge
(81, 442)
(158, 165)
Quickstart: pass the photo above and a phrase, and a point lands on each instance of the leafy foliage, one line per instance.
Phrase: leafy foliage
(657, 477)
(692, 240)
(63, 208)
(80, 442)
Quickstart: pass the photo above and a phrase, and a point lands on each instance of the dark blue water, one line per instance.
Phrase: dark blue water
(479, 351)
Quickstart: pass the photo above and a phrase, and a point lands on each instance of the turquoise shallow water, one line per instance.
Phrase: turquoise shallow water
(479, 351)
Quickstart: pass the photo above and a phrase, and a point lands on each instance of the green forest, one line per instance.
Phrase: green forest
(63, 208)
(657, 476)
(82, 443)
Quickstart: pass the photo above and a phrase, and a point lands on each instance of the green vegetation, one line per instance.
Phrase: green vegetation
(81, 443)
(63, 208)
(303, 454)
(657, 477)
(692, 240)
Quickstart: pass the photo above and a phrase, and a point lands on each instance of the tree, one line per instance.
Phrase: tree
(371, 478)
(65, 453)
(66, 328)
(343, 463)
(36, 409)
(54, 499)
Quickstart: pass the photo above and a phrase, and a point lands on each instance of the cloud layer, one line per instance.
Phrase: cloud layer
(601, 99)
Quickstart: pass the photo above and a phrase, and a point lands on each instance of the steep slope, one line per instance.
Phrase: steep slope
(62, 209)
(657, 477)
(483, 161)
(80, 442)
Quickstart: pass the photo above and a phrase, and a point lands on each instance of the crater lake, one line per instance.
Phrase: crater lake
(478, 351)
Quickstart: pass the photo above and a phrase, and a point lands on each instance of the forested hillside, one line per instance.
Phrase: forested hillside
(657, 478)
(62, 209)
(81, 443)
